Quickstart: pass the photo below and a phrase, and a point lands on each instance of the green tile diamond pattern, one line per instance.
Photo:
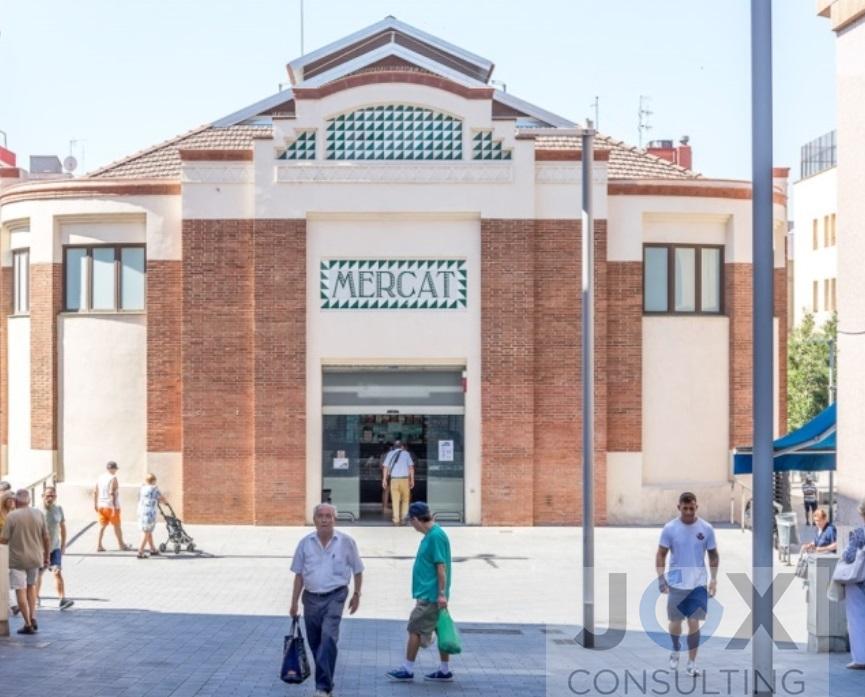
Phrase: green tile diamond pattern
(394, 132)
(456, 299)
(485, 148)
(303, 147)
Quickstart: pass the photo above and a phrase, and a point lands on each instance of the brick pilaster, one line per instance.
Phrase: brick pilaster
(218, 370)
(280, 372)
(164, 302)
(5, 311)
(45, 303)
(738, 301)
(507, 366)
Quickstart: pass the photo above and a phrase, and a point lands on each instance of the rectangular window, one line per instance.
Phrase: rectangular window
(104, 278)
(655, 279)
(21, 281)
(832, 294)
(826, 298)
(683, 279)
(826, 231)
(815, 299)
(834, 238)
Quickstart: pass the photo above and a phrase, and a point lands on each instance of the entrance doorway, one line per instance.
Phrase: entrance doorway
(423, 408)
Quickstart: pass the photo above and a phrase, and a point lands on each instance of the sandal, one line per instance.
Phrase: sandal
(154, 553)
(141, 556)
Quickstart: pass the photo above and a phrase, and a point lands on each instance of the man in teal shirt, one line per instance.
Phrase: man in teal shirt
(430, 587)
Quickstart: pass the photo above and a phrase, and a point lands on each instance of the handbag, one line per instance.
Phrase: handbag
(448, 636)
(802, 566)
(853, 572)
(295, 663)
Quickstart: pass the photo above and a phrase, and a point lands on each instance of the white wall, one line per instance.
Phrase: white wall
(22, 467)
(851, 253)
(686, 404)
(103, 403)
(388, 337)
(814, 197)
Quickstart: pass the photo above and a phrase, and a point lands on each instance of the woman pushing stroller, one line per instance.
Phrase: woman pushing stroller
(148, 499)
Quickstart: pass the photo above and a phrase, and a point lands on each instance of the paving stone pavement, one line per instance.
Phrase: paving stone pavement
(212, 625)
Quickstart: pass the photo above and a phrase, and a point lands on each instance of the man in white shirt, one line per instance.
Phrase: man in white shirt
(688, 539)
(399, 466)
(106, 503)
(324, 563)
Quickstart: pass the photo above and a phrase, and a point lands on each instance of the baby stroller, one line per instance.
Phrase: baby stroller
(177, 536)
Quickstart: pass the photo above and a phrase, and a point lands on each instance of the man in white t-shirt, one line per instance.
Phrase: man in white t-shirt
(399, 466)
(688, 539)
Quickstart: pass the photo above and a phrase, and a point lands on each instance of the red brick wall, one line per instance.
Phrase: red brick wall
(625, 356)
(507, 365)
(218, 371)
(781, 311)
(738, 300)
(45, 302)
(5, 311)
(280, 371)
(164, 301)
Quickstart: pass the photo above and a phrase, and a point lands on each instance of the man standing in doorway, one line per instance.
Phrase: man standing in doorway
(324, 563)
(106, 502)
(688, 538)
(27, 536)
(430, 587)
(399, 466)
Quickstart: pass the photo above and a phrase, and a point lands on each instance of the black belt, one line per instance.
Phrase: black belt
(326, 593)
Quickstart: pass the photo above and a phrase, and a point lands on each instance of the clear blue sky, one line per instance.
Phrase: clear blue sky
(123, 75)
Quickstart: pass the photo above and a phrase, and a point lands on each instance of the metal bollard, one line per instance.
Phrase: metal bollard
(4, 590)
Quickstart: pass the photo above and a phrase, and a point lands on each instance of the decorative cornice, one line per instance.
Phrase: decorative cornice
(391, 76)
(635, 188)
(240, 173)
(396, 173)
(565, 174)
(88, 188)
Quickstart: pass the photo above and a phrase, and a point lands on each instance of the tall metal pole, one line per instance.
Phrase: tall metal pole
(588, 374)
(831, 401)
(763, 265)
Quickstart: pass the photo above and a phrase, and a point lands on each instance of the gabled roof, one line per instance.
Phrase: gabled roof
(388, 30)
(163, 161)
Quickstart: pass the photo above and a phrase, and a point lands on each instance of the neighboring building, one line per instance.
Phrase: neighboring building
(847, 19)
(815, 236)
(389, 249)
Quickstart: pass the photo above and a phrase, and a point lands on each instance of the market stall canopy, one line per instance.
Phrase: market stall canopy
(810, 448)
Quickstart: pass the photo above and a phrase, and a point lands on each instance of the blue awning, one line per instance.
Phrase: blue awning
(810, 448)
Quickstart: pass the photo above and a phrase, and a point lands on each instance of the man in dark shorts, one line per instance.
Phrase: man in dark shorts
(431, 583)
(688, 539)
(56, 522)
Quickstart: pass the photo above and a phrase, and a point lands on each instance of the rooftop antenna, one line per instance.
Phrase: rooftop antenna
(596, 106)
(301, 27)
(500, 83)
(644, 114)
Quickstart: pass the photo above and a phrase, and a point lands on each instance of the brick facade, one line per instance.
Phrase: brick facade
(46, 283)
(780, 312)
(280, 371)
(164, 300)
(531, 399)
(243, 340)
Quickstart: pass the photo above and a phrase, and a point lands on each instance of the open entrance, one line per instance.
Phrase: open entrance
(365, 410)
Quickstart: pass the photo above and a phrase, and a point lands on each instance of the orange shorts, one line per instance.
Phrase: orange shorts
(109, 515)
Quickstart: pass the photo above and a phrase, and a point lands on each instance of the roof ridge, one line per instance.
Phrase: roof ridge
(146, 151)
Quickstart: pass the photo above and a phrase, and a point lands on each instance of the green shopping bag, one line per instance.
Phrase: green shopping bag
(448, 636)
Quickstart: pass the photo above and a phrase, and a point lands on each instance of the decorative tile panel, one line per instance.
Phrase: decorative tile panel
(393, 284)
(485, 148)
(394, 132)
(302, 148)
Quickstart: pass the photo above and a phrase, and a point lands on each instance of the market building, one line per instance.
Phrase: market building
(389, 249)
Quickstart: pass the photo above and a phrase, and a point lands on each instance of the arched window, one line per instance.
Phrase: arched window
(394, 132)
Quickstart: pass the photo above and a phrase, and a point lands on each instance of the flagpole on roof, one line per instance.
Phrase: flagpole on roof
(763, 340)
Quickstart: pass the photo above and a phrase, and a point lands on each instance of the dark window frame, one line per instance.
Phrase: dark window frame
(15, 254)
(698, 285)
(87, 305)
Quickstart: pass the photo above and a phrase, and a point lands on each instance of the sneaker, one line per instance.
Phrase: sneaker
(438, 676)
(35, 626)
(692, 669)
(65, 603)
(400, 675)
(321, 693)
(26, 629)
(856, 666)
(674, 660)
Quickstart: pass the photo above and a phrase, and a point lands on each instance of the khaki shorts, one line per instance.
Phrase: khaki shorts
(423, 620)
(19, 579)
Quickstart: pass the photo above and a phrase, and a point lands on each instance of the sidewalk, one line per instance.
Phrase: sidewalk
(213, 625)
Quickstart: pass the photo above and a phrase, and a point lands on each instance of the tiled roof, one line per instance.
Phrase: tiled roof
(626, 161)
(163, 161)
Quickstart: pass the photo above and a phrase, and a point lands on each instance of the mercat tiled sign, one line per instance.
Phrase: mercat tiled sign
(393, 284)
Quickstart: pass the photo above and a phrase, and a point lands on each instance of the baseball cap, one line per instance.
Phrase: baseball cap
(418, 509)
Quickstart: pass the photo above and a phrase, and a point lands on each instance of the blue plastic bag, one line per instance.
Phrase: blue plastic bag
(295, 663)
